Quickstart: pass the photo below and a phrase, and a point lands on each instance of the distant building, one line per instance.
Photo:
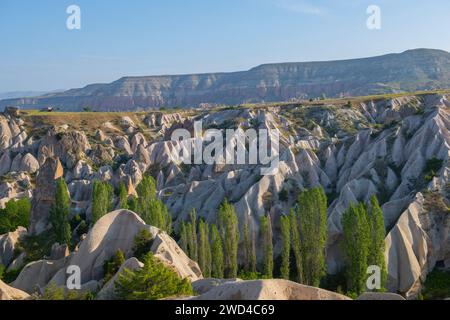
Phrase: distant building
(47, 109)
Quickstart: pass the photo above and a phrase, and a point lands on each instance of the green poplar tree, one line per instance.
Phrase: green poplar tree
(229, 232)
(192, 236)
(286, 246)
(102, 199)
(377, 239)
(152, 210)
(204, 249)
(246, 245)
(267, 246)
(356, 247)
(208, 251)
(184, 238)
(217, 260)
(123, 196)
(59, 213)
(133, 204)
(295, 245)
(312, 215)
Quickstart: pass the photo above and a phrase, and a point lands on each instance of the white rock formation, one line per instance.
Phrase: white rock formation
(10, 293)
(268, 290)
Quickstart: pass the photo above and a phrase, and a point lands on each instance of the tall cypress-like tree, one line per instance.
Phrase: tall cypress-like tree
(59, 213)
(356, 247)
(152, 210)
(312, 215)
(295, 245)
(229, 232)
(377, 238)
(208, 251)
(217, 260)
(285, 247)
(204, 249)
(102, 197)
(192, 236)
(267, 246)
(252, 252)
(247, 245)
(184, 238)
(123, 196)
(133, 204)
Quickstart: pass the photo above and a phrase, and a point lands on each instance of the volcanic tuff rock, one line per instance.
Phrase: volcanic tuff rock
(396, 148)
(380, 296)
(10, 293)
(69, 147)
(408, 71)
(268, 290)
(204, 285)
(44, 195)
(7, 244)
(114, 231)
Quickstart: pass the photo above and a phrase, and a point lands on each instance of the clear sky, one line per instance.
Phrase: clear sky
(136, 37)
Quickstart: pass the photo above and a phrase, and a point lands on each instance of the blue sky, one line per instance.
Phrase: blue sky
(137, 37)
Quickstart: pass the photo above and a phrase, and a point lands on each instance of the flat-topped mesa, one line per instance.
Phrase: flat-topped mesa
(413, 70)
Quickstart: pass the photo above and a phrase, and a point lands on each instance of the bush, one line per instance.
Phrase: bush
(16, 214)
(111, 266)
(142, 244)
(53, 292)
(154, 281)
(10, 276)
(2, 271)
(431, 169)
(437, 286)
(37, 247)
(250, 275)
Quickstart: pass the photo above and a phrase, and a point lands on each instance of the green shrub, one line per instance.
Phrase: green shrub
(437, 286)
(37, 247)
(431, 169)
(250, 275)
(142, 244)
(2, 271)
(10, 276)
(53, 292)
(154, 281)
(59, 213)
(16, 214)
(111, 266)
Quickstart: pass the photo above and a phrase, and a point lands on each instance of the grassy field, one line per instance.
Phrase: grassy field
(85, 121)
(346, 100)
(91, 121)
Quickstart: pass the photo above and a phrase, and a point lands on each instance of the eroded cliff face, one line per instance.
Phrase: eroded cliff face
(409, 71)
(381, 147)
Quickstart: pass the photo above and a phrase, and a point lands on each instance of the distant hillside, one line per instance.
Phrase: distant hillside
(21, 94)
(413, 70)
